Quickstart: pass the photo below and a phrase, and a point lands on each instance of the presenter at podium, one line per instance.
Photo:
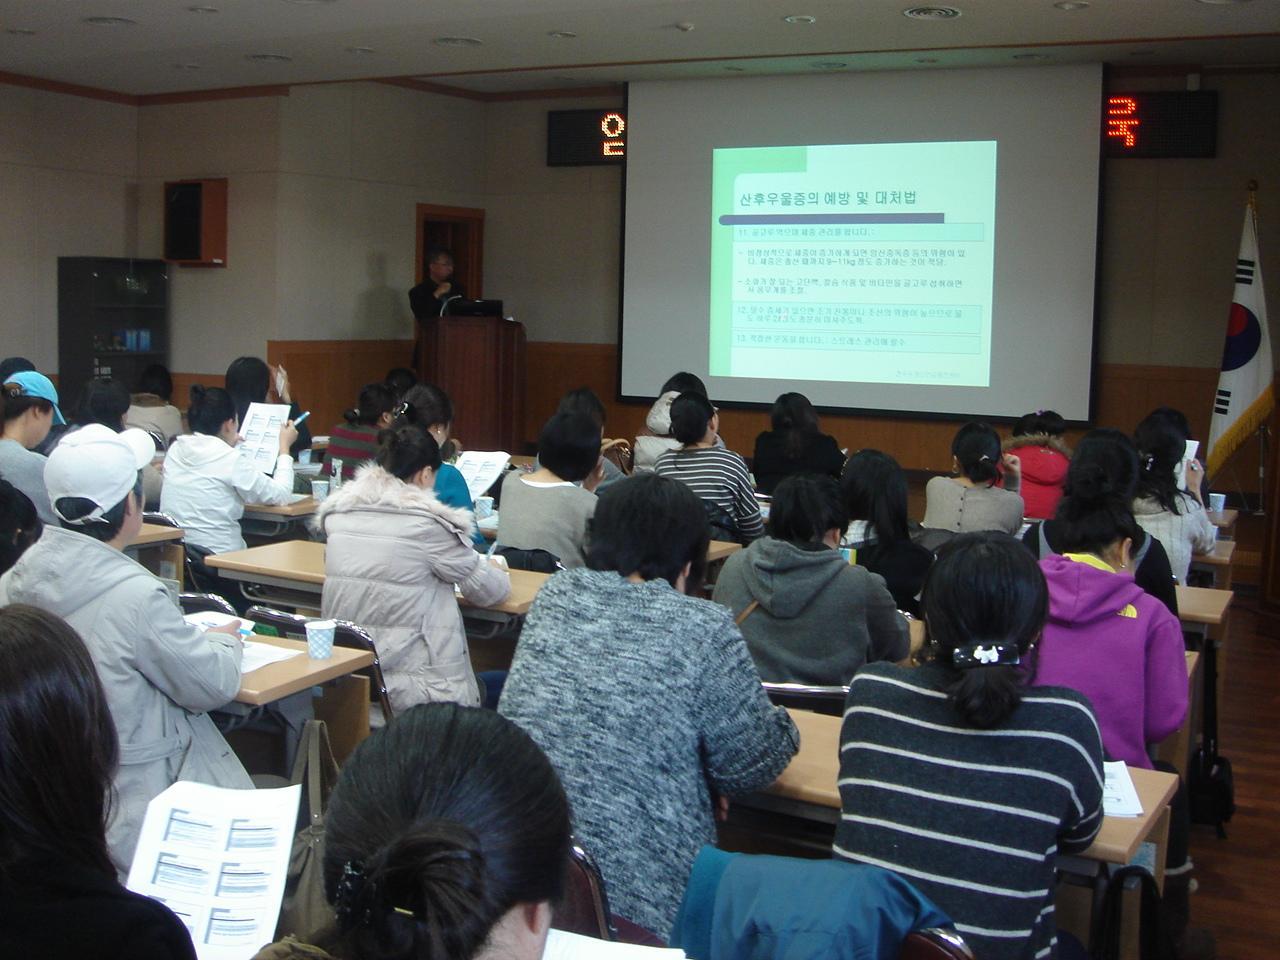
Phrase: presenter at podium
(428, 299)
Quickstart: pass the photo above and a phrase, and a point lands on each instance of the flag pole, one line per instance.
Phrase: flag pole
(1263, 429)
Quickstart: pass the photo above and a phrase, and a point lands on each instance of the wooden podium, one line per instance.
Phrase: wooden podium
(479, 362)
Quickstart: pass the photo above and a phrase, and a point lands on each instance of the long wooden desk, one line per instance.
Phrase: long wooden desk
(153, 533)
(276, 681)
(809, 783)
(300, 508)
(1203, 605)
(159, 548)
(1225, 521)
(298, 566)
(1217, 563)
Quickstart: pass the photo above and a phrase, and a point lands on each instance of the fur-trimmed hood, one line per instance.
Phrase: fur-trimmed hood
(1037, 440)
(374, 487)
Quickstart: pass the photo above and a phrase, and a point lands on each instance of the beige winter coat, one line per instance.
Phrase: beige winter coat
(394, 554)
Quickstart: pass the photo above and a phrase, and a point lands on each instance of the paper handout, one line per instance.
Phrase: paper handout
(260, 431)
(1119, 796)
(480, 469)
(218, 859)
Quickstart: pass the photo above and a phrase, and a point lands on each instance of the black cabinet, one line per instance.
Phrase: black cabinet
(113, 321)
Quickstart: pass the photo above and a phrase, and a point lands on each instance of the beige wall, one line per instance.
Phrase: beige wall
(323, 185)
(67, 169)
(1171, 231)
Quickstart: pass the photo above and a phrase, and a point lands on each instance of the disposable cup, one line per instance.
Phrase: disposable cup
(1217, 502)
(319, 489)
(320, 639)
(484, 507)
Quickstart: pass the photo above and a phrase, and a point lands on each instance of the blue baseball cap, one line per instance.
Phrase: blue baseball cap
(33, 384)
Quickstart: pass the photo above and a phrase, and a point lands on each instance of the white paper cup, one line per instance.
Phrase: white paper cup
(484, 507)
(319, 489)
(320, 639)
(1217, 502)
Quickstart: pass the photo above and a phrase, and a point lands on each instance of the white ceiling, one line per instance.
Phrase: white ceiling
(170, 48)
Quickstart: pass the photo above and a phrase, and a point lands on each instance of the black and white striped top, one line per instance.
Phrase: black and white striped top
(973, 818)
(718, 477)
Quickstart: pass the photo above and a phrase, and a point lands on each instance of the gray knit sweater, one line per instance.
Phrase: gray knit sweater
(647, 703)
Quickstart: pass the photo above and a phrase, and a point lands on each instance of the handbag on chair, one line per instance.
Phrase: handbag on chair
(305, 908)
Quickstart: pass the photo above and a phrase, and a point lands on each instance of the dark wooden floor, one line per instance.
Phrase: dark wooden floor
(1239, 878)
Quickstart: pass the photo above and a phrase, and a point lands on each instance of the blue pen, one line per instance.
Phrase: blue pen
(301, 418)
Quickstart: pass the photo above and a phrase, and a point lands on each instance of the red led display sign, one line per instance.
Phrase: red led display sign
(1161, 124)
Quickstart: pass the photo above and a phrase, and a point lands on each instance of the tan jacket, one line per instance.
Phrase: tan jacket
(394, 554)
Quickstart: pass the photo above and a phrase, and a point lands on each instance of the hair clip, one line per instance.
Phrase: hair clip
(403, 409)
(349, 894)
(985, 655)
(983, 457)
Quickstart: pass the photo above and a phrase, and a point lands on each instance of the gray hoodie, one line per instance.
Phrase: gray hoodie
(819, 618)
(160, 674)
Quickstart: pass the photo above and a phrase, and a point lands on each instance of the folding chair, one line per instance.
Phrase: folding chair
(204, 603)
(345, 634)
(584, 909)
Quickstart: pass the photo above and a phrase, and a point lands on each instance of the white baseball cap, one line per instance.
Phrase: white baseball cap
(98, 464)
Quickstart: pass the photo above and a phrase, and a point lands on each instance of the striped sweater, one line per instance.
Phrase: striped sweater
(719, 477)
(647, 703)
(974, 818)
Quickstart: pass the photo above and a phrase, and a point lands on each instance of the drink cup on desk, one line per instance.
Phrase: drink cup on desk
(484, 507)
(1217, 502)
(319, 490)
(320, 639)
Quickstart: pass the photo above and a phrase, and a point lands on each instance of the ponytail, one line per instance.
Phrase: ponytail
(984, 603)
(375, 400)
(977, 450)
(209, 409)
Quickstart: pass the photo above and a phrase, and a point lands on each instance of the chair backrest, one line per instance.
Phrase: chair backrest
(723, 525)
(539, 561)
(160, 519)
(934, 943)
(829, 700)
(345, 634)
(585, 907)
(204, 603)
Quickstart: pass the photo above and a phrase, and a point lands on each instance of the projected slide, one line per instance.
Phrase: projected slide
(858, 262)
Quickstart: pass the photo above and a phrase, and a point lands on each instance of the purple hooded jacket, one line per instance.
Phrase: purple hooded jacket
(1108, 639)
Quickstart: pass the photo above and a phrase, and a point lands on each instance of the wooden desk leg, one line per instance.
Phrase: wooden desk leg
(343, 705)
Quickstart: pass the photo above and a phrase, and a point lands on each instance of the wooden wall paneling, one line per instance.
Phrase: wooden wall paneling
(182, 386)
(325, 376)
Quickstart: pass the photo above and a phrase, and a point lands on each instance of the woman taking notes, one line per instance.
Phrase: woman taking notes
(972, 501)
(393, 557)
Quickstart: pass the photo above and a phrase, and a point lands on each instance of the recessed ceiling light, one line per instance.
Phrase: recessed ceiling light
(202, 9)
(268, 58)
(830, 65)
(931, 13)
(360, 51)
(799, 18)
(457, 42)
(109, 21)
(1031, 56)
(186, 66)
(20, 32)
(1071, 5)
(736, 69)
(562, 35)
(306, 2)
(1222, 3)
(926, 59)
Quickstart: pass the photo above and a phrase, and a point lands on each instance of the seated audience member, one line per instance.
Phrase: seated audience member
(107, 402)
(807, 614)
(447, 836)
(151, 406)
(551, 508)
(879, 534)
(161, 675)
(59, 896)
(973, 821)
(355, 440)
(644, 697)
(1119, 646)
(718, 476)
(1175, 517)
(11, 365)
(1037, 441)
(399, 380)
(650, 446)
(206, 480)
(1114, 454)
(20, 525)
(394, 553)
(30, 409)
(583, 400)
(251, 380)
(794, 445)
(430, 408)
(972, 501)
